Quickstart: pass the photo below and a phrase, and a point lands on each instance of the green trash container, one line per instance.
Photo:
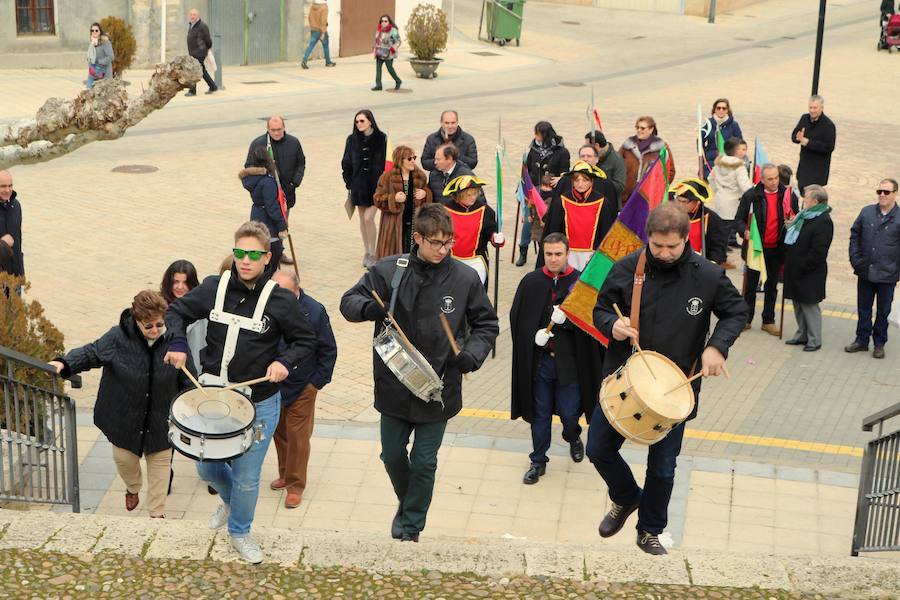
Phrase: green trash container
(505, 21)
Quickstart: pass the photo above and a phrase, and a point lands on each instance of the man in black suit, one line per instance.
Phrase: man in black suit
(446, 167)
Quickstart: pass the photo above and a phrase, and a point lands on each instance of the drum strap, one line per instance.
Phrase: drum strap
(402, 263)
(635, 315)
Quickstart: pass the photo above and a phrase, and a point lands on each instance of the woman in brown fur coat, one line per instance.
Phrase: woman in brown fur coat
(398, 200)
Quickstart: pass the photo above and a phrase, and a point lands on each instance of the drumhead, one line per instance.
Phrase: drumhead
(218, 413)
(652, 390)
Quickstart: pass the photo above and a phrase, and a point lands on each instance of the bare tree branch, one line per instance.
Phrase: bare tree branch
(101, 113)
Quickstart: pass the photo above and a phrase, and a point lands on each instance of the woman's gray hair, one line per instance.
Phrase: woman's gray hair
(817, 193)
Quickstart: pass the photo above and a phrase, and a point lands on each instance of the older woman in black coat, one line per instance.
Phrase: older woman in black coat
(807, 241)
(136, 389)
(363, 163)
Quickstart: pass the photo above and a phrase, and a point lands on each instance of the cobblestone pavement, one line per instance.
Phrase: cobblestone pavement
(37, 574)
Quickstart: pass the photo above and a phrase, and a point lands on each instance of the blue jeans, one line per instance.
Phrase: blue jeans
(314, 36)
(91, 79)
(550, 397)
(525, 238)
(867, 293)
(237, 481)
(602, 449)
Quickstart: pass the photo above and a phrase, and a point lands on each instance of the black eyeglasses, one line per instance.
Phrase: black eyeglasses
(150, 326)
(362, 120)
(721, 108)
(884, 192)
(95, 31)
(438, 244)
(413, 157)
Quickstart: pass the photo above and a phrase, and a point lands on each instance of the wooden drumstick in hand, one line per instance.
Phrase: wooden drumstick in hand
(390, 316)
(194, 381)
(635, 343)
(449, 332)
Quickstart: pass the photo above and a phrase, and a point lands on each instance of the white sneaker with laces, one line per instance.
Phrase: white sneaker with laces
(219, 518)
(248, 549)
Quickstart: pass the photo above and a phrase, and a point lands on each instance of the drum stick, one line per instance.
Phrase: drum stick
(684, 383)
(391, 316)
(245, 383)
(636, 344)
(446, 325)
(194, 381)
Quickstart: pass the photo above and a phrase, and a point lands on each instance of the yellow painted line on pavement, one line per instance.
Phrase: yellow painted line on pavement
(838, 314)
(712, 436)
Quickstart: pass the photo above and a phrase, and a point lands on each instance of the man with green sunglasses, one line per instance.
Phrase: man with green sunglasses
(248, 316)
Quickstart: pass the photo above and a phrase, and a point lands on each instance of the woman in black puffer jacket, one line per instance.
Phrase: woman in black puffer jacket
(136, 390)
(259, 180)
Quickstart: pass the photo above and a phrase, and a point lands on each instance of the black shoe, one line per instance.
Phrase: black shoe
(523, 256)
(576, 450)
(396, 526)
(856, 347)
(809, 348)
(878, 352)
(191, 94)
(649, 543)
(303, 65)
(331, 64)
(212, 491)
(171, 477)
(615, 519)
(795, 342)
(397, 85)
(377, 88)
(534, 473)
(410, 537)
(212, 90)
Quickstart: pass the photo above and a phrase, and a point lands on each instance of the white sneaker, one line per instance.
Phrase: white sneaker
(248, 549)
(219, 518)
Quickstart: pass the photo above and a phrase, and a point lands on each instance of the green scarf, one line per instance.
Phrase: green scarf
(805, 215)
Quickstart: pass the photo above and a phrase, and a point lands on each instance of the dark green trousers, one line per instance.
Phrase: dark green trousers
(411, 473)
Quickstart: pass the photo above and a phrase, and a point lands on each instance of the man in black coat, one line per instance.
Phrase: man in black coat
(447, 168)
(450, 133)
(875, 257)
(807, 241)
(710, 239)
(249, 316)
(681, 291)
(11, 223)
(199, 44)
(556, 371)
(771, 204)
(816, 135)
(432, 283)
(289, 158)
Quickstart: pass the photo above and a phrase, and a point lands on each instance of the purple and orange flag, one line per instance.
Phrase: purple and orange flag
(628, 233)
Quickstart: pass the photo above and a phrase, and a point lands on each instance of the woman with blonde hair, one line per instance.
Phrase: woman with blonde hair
(401, 191)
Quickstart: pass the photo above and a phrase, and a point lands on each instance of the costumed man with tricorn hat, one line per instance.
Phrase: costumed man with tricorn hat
(708, 234)
(474, 223)
(584, 214)
(555, 368)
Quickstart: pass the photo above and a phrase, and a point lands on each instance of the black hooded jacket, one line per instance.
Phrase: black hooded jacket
(282, 318)
(136, 387)
(677, 304)
(425, 291)
(289, 160)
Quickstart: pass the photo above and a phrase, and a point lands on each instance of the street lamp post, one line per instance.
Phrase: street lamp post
(820, 33)
(712, 12)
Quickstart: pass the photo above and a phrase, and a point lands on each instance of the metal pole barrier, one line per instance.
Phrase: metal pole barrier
(712, 11)
(820, 33)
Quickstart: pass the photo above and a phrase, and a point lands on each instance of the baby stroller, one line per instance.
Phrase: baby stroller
(890, 32)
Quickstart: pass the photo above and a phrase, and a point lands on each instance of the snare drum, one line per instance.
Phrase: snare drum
(636, 403)
(408, 365)
(212, 426)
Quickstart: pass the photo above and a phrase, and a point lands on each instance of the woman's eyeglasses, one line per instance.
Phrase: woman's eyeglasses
(240, 253)
(95, 31)
(362, 121)
(151, 326)
(412, 158)
(642, 128)
(721, 108)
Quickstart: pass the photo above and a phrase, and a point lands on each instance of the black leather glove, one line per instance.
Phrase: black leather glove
(465, 362)
(374, 312)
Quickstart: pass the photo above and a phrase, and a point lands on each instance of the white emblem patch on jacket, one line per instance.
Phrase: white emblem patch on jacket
(447, 305)
(694, 306)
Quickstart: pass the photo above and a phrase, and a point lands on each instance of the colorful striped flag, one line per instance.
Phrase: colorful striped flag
(531, 193)
(759, 159)
(720, 142)
(388, 155)
(628, 233)
(499, 189)
(755, 259)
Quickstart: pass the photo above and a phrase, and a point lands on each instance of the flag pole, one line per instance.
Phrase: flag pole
(700, 157)
(499, 225)
(271, 153)
(512, 256)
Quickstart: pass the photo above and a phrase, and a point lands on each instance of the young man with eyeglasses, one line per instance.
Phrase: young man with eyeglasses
(248, 316)
(424, 284)
(875, 256)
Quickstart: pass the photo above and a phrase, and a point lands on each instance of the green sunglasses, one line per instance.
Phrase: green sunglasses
(240, 253)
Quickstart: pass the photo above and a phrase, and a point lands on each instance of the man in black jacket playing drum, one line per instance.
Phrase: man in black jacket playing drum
(432, 283)
(681, 291)
(552, 371)
(248, 316)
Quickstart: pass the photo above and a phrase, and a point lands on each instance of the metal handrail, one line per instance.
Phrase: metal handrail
(881, 416)
(40, 365)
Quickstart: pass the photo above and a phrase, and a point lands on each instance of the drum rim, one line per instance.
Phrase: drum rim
(196, 459)
(211, 436)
